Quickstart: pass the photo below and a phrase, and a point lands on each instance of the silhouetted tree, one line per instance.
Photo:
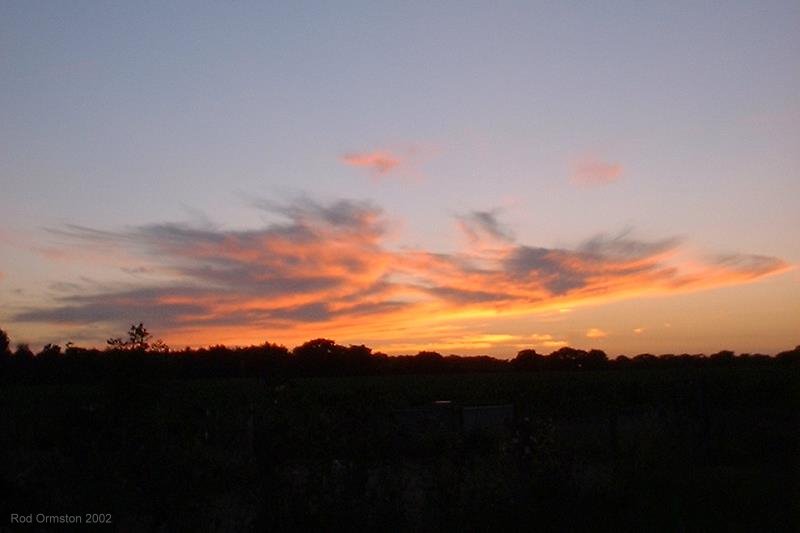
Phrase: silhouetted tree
(50, 351)
(595, 359)
(528, 360)
(427, 361)
(571, 358)
(644, 359)
(317, 349)
(326, 357)
(789, 355)
(159, 346)
(138, 339)
(317, 356)
(359, 358)
(322, 357)
(23, 352)
(725, 357)
(622, 361)
(4, 344)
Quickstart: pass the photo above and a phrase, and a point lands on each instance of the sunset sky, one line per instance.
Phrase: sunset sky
(467, 177)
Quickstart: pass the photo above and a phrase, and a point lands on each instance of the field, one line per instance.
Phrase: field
(668, 449)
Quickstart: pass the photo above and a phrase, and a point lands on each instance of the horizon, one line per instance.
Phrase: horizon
(449, 178)
(164, 349)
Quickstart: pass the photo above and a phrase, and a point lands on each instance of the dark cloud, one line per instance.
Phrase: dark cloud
(623, 247)
(751, 265)
(551, 268)
(113, 307)
(83, 233)
(306, 213)
(463, 296)
(313, 312)
(480, 224)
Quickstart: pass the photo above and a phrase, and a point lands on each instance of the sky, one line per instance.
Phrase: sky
(467, 177)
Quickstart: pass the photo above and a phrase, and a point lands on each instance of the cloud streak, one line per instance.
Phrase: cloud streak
(325, 269)
(484, 227)
(380, 163)
(591, 172)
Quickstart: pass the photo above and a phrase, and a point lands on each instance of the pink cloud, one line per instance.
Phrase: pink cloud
(590, 171)
(379, 162)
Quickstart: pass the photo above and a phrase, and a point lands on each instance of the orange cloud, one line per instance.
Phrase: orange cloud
(379, 162)
(596, 333)
(590, 172)
(324, 270)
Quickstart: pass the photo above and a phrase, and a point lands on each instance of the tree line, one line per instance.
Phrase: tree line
(139, 356)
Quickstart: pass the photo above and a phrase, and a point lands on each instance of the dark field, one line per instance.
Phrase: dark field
(666, 449)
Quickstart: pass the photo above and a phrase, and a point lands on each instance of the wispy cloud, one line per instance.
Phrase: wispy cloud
(591, 171)
(380, 162)
(755, 265)
(325, 269)
(483, 226)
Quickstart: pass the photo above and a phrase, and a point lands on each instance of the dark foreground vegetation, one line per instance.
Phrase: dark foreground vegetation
(330, 437)
(140, 357)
